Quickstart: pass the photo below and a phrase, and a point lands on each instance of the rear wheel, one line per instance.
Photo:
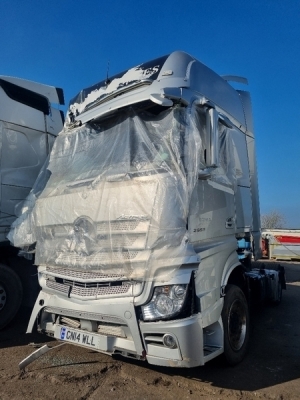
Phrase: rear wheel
(10, 295)
(235, 317)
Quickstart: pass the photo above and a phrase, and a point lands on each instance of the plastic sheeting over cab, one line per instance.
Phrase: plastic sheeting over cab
(137, 178)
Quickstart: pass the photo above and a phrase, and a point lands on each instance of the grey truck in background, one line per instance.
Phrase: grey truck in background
(28, 127)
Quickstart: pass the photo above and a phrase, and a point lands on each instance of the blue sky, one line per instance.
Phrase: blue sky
(69, 43)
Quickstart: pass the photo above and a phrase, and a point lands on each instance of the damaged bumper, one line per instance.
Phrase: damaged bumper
(112, 328)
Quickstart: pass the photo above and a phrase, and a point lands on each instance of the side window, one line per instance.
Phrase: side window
(240, 155)
(225, 151)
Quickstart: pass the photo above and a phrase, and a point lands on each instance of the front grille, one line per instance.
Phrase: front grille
(87, 285)
(72, 289)
(58, 287)
(100, 291)
(82, 275)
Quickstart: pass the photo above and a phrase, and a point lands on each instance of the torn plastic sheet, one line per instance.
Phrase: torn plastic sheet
(118, 196)
(23, 229)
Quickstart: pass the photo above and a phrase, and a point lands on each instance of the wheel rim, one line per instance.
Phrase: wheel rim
(2, 296)
(237, 325)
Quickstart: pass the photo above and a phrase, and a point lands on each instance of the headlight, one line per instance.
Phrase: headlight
(166, 302)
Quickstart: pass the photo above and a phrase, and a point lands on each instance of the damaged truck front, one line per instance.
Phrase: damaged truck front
(147, 219)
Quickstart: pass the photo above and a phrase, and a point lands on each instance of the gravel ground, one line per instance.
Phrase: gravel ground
(270, 371)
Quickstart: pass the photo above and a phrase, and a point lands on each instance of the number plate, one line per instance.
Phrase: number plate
(82, 338)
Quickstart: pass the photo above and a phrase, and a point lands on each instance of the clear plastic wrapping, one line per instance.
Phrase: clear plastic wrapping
(117, 195)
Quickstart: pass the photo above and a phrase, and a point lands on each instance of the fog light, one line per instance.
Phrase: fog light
(169, 341)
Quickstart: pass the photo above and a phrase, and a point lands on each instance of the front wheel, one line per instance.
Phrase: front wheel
(235, 317)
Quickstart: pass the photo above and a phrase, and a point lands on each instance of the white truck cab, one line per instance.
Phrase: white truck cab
(149, 217)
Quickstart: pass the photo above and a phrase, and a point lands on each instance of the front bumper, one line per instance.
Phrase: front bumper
(113, 326)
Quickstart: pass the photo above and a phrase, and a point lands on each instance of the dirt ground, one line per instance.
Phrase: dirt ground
(270, 371)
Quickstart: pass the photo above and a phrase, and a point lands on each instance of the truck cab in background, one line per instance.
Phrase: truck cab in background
(29, 124)
(149, 217)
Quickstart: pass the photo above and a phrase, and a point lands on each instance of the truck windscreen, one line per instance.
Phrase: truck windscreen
(123, 146)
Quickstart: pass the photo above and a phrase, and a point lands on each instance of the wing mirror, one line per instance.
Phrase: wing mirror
(212, 140)
(212, 155)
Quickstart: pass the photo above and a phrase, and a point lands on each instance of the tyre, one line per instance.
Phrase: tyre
(11, 294)
(236, 325)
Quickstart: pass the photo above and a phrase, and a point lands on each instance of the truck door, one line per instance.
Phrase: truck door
(212, 208)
